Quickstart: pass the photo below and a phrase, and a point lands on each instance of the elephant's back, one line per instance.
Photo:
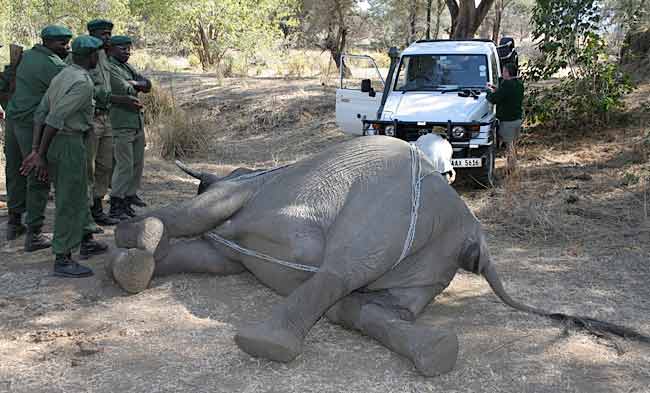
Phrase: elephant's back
(361, 168)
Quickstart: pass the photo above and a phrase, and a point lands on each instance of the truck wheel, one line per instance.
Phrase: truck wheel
(484, 177)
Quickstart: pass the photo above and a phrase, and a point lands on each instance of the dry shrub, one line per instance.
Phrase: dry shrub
(172, 131)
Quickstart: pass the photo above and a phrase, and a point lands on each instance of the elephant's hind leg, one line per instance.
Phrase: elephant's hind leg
(432, 351)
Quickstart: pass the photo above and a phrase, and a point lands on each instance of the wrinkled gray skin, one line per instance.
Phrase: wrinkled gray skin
(346, 210)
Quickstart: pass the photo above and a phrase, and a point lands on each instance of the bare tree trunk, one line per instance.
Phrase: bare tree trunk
(429, 3)
(413, 12)
(499, 7)
(336, 42)
(466, 17)
(203, 47)
(439, 8)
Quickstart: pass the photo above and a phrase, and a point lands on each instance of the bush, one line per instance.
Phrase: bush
(586, 97)
(171, 131)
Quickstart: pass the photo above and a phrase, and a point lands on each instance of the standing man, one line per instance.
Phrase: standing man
(67, 112)
(509, 98)
(33, 76)
(127, 119)
(99, 141)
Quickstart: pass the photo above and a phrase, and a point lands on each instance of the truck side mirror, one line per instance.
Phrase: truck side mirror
(366, 87)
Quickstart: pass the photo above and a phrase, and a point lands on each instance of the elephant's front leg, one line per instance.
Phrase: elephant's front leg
(281, 337)
(151, 254)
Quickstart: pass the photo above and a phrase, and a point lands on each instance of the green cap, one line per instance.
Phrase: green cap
(99, 24)
(85, 45)
(121, 40)
(54, 32)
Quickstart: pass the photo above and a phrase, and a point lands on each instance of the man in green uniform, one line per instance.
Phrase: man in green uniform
(508, 98)
(128, 130)
(66, 112)
(99, 141)
(37, 68)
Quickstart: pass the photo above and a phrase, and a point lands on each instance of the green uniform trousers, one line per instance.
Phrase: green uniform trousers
(23, 193)
(99, 150)
(128, 150)
(66, 159)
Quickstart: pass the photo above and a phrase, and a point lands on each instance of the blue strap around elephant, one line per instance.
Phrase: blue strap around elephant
(416, 186)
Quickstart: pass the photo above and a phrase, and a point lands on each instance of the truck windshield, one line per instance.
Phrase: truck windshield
(442, 72)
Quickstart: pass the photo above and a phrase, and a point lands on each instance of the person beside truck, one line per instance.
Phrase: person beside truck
(508, 98)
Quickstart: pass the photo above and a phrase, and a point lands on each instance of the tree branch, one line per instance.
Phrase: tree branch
(481, 12)
(454, 9)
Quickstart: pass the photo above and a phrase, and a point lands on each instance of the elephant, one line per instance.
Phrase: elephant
(365, 233)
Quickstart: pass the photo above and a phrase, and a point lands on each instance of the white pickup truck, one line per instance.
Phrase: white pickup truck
(432, 86)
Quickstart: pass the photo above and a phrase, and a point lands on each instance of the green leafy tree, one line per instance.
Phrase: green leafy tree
(214, 27)
(568, 38)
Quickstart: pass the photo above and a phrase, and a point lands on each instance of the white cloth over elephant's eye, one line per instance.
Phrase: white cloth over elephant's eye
(438, 150)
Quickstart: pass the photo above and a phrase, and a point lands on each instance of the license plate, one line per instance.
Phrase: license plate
(466, 163)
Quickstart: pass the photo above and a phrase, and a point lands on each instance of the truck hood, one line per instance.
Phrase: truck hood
(435, 107)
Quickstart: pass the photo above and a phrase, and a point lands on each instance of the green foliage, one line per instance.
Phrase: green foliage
(211, 28)
(22, 20)
(568, 39)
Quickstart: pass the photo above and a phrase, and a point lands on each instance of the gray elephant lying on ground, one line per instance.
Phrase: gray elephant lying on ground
(339, 220)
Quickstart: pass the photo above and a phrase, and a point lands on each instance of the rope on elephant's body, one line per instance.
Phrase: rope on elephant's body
(416, 186)
(255, 254)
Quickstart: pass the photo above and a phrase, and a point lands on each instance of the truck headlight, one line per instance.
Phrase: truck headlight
(389, 130)
(458, 132)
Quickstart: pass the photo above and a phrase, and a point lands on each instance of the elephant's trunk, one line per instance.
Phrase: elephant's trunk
(593, 326)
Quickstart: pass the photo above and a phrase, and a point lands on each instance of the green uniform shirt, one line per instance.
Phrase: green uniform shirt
(101, 76)
(121, 116)
(68, 104)
(508, 98)
(33, 76)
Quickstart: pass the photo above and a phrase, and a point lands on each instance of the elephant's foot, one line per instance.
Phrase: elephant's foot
(434, 352)
(146, 234)
(267, 340)
(132, 269)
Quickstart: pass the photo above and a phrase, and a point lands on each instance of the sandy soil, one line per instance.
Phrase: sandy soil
(570, 233)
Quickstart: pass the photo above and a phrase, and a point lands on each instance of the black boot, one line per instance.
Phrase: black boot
(35, 240)
(117, 210)
(15, 227)
(99, 216)
(90, 247)
(65, 266)
(136, 200)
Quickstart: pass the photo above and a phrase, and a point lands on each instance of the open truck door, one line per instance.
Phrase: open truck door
(359, 94)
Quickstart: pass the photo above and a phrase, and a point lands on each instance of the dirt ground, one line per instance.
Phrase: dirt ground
(570, 233)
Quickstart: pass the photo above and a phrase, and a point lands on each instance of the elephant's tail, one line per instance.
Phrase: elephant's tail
(593, 326)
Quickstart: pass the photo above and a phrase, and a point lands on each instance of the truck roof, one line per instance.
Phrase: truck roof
(448, 47)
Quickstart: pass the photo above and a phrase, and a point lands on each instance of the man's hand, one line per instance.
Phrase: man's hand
(134, 103)
(142, 86)
(490, 87)
(2, 113)
(130, 102)
(34, 161)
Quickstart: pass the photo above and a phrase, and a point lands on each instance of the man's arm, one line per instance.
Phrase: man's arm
(78, 96)
(124, 93)
(39, 118)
